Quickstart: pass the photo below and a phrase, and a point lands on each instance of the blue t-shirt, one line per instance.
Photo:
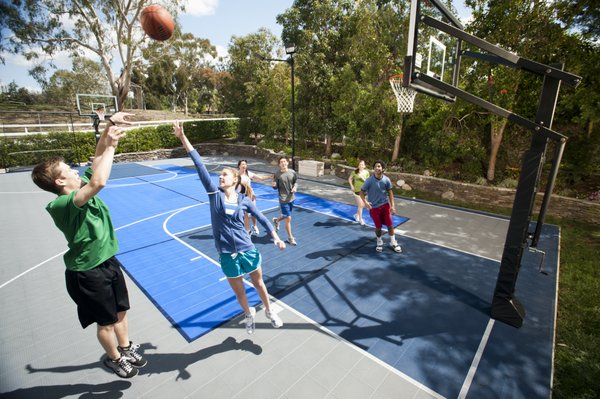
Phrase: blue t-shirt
(377, 190)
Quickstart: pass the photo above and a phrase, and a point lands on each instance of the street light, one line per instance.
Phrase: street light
(290, 49)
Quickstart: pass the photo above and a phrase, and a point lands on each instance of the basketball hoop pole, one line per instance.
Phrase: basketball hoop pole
(96, 119)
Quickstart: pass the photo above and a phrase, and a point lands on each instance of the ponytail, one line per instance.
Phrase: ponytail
(247, 190)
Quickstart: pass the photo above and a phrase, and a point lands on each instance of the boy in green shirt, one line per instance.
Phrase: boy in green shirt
(93, 274)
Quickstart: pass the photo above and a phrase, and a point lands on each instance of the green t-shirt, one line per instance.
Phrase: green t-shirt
(358, 179)
(89, 230)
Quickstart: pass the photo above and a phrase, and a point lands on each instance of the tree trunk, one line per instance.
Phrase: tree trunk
(496, 132)
(328, 146)
(186, 105)
(398, 140)
(121, 89)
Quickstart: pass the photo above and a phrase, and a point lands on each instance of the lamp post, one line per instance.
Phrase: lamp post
(290, 49)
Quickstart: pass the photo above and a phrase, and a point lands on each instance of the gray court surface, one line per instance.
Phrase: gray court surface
(46, 354)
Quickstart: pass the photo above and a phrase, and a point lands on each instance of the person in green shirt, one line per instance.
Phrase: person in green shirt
(93, 275)
(356, 180)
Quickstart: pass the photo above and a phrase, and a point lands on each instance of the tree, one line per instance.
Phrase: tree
(176, 68)
(12, 93)
(528, 28)
(256, 90)
(581, 14)
(347, 51)
(63, 85)
(109, 29)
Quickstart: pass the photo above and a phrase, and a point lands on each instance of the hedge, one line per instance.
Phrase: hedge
(78, 147)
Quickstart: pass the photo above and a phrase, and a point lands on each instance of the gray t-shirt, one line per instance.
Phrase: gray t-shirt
(377, 190)
(284, 182)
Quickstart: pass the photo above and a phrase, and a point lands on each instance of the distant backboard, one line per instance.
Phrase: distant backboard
(431, 51)
(89, 104)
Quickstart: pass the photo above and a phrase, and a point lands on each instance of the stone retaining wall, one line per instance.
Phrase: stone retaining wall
(560, 206)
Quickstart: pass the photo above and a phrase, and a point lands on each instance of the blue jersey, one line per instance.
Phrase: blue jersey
(377, 190)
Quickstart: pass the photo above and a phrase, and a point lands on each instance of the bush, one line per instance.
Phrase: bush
(79, 147)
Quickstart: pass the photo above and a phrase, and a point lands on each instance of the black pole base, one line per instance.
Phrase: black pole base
(509, 311)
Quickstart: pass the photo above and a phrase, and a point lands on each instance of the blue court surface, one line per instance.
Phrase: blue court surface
(424, 312)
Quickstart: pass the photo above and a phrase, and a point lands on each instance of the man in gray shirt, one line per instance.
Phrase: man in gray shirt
(378, 188)
(284, 181)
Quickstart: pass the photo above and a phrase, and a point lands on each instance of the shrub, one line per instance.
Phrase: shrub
(79, 147)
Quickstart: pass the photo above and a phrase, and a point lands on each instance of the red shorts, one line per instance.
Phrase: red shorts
(381, 216)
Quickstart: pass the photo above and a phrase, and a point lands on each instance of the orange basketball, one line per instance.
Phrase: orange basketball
(157, 22)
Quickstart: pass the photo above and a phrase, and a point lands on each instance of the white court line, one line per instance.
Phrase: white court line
(390, 368)
(118, 228)
(393, 370)
(24, 192)
(30, 269)
(174, 177)
(403, 233)
(172, 235)
(150, 174)
(476, 359)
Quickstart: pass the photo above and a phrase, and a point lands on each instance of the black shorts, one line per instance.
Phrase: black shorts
(100, 293)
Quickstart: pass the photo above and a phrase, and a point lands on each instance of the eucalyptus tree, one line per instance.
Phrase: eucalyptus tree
(347, 52)
(321, 31)
(106, 29)
(174, 71)
(255, 89)
(528, 28)
(84, 76)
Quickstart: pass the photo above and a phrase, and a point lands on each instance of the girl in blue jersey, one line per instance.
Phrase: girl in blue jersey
(237, 254)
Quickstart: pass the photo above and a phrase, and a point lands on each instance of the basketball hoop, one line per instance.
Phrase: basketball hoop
(100, 112)
(404, 95)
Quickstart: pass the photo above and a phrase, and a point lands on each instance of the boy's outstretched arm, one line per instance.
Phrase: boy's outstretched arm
(102, 165)
(116, 119)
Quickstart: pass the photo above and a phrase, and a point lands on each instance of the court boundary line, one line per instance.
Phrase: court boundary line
(403, 234)
(464, 390)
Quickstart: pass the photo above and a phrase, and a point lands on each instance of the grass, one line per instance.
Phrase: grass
(577, 351)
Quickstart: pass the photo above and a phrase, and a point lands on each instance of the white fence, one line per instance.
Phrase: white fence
(11, 130)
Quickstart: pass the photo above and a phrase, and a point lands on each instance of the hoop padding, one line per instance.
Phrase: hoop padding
(404, 95)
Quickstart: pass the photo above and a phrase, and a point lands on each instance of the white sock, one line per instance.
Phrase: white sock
(393, 240)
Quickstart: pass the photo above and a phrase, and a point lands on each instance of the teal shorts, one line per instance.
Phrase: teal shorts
(240, 264)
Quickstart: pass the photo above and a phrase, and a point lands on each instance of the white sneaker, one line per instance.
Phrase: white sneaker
(379, 247)
(255, 230)
(362, 222)
(356, 217)
(396, 247)
(275, 319)
(249, 321)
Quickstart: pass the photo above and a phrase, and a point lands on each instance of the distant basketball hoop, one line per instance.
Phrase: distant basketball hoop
(404, 95)
(100, 113)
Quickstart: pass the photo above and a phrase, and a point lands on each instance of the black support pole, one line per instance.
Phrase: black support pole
(505, 306)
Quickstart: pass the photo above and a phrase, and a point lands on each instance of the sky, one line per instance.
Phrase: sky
(216, 20)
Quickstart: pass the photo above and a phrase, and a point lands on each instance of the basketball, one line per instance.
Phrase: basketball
(157, 22)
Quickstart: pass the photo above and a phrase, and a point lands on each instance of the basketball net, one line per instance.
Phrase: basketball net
(100, 114)
(404, 95)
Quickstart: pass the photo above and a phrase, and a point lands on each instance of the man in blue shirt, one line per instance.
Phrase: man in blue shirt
(378, 188)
